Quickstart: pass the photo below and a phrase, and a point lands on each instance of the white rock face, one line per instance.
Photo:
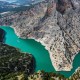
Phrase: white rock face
(58, 31)
(55, 24)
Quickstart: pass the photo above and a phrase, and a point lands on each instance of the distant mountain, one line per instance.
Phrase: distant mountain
(17, 5)
(11, 1)
(2, 3)
(24, 2)
(27, 2)
(6, 6)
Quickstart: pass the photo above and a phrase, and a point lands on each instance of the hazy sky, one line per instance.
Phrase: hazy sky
(8, 0)
(16, 0)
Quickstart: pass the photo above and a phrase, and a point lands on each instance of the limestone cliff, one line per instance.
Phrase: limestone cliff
(56, 24)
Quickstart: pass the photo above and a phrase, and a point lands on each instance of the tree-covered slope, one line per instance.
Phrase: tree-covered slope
(13, 62)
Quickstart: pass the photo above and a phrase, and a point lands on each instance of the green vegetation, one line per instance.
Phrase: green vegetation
(76, 75)
(41, 75)
(14, 63)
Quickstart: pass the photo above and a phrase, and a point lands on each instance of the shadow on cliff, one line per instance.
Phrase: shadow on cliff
(2, 35)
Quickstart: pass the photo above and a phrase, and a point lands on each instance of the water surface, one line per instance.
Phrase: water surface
(41, 55)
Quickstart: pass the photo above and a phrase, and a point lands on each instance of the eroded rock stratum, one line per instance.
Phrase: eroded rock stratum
(56, 24)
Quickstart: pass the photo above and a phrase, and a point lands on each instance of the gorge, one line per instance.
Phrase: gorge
(40, 54)
(55, 24)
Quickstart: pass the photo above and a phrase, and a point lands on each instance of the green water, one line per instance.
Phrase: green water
(41, 55)
(76, 64)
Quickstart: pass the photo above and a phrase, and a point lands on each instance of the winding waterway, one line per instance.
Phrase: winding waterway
(41, 55)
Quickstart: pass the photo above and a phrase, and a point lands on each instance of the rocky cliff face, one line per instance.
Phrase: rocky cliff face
(56, 24)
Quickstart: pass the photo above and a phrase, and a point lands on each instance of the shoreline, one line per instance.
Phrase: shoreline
(2, 35)
(69, 67)
(50, 53)
(47, 50)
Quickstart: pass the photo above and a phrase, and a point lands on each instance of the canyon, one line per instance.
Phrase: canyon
(55, 24)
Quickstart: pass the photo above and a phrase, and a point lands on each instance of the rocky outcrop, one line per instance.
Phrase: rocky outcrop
(56, 24)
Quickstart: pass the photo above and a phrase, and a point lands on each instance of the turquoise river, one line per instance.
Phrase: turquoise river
(41, 55)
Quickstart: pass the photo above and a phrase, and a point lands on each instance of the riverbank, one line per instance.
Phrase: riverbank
(39, 52)
(48, 25)
(31, 46)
